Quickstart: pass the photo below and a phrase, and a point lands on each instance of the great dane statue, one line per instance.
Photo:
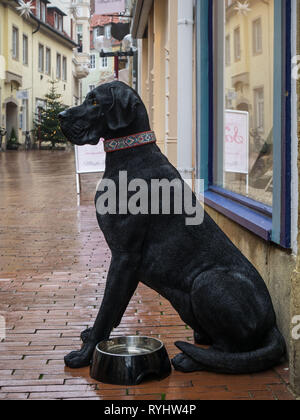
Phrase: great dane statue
(213, 287)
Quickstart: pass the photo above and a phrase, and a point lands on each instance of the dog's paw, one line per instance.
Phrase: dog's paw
(183, 363)
(81, 358)
(85, 335)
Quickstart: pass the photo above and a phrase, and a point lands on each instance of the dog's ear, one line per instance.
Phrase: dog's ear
(123, 110)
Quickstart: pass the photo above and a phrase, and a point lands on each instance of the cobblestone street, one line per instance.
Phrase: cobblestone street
(53, 266)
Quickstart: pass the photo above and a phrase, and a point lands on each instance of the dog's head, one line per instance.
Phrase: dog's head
(106, 110)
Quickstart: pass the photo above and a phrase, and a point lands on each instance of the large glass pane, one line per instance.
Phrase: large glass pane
(246, 95)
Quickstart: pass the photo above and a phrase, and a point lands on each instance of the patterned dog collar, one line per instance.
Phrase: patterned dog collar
(135, 140)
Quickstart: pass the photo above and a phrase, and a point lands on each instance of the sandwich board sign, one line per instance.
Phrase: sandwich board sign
(89, 159)
(236, 143)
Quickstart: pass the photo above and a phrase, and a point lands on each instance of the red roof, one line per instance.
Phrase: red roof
(100, 20)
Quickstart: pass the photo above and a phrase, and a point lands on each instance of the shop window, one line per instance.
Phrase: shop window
(246, 161)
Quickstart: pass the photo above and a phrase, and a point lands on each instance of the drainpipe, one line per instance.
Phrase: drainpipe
(185, 88)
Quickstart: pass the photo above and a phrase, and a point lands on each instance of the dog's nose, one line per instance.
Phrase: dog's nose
(62, 115)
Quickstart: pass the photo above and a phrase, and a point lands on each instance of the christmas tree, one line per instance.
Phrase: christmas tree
(47, 127)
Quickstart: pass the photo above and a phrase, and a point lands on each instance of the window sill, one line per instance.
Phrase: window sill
(255, 217)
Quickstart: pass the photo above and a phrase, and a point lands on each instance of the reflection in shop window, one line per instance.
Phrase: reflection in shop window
(237, 44)
(247, 83)
(257, 37)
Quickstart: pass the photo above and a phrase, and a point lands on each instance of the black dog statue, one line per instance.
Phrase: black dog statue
(212, 286)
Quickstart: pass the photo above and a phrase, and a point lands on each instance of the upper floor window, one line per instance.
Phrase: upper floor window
(227, 51)
(64, 69)
(237, 44)
(98, 32)
(257, 36)
(58, 66)
(15, 43)
(43, 11)
(92, 61)
(55, 20)
(259, 110)
(107, 31)
(25, 49)
(60, 23)
(38, 8)
(41, 58)
(79, 36)
(104, 62)
(48, 61)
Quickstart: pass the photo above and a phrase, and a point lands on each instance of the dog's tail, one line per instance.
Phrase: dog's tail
(238, 363)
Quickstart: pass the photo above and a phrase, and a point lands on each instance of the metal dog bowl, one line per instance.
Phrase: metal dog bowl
(130, 360)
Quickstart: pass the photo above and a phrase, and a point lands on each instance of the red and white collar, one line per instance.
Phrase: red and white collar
(129, 142)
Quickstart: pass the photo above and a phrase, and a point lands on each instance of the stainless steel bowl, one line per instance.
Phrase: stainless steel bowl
(130, 360)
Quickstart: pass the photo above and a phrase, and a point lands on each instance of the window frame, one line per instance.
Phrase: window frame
(64, 72)
(93, 61)
(271, 224)
(58, 66)
(255, 50)
(15, 54)
(25, 52)
(41, 47)
(43, 16)
(48, 67)
(104, 60)
(237, 57)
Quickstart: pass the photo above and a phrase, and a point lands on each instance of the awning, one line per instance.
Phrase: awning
(140, 19)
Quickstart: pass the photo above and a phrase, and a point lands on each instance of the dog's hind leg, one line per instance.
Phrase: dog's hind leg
(237, 312)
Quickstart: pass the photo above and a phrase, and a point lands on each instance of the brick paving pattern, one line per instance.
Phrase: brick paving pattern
(53, 267)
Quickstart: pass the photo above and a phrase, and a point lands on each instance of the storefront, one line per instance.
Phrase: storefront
(229, 105)
(247, 138)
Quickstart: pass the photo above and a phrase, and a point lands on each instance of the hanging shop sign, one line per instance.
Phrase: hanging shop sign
(22, 95)
(120, 30)
(236, 144)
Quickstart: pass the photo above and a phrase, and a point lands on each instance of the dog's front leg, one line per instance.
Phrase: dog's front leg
(122, 282)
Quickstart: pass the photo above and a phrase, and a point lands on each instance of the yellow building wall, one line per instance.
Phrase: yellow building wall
(35, 82)
(159, 75)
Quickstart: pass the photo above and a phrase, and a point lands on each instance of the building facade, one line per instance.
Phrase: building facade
(219, 79)
(102, 69)
(33, 51)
